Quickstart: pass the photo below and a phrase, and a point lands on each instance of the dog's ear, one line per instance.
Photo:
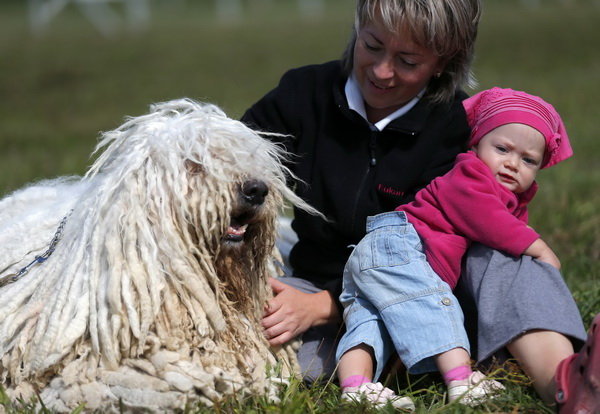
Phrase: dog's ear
(193, 168)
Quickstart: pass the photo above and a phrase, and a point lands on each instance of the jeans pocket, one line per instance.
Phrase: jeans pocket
(384, 247)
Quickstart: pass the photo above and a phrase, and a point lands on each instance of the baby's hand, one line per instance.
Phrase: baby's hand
(541, 251)
(550, 258)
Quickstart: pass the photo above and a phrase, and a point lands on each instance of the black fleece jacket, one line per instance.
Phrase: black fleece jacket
(348, 168)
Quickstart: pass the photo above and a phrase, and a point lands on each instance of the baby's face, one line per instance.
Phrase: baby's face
(514, 153)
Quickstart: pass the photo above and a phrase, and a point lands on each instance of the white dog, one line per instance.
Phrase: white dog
(143, 283)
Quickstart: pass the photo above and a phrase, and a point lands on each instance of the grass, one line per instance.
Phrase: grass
(63, 86)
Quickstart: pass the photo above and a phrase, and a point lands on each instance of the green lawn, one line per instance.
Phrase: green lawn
(60, 88)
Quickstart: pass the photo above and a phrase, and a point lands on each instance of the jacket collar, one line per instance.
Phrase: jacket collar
(411, 123)
(357, 103)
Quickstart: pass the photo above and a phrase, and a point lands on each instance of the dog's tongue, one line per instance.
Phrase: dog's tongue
(236, 230)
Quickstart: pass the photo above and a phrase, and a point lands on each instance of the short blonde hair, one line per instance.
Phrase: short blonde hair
(447, 27)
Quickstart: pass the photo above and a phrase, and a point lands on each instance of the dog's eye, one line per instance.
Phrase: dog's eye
(193, 167)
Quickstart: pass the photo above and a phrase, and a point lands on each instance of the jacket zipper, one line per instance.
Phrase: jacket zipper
(372, 163)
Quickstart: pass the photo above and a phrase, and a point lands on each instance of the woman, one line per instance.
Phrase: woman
(368, 132)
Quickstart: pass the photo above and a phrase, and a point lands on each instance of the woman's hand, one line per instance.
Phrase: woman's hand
(292, 312)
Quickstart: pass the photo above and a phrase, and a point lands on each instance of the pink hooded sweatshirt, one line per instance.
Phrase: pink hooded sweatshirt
(467, 204)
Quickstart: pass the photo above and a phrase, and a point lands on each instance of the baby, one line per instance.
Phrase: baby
(398, 282)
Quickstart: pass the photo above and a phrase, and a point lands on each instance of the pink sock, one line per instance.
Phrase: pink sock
(459, 373)
(354, 381)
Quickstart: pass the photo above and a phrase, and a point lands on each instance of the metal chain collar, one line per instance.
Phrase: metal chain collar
(38, 259)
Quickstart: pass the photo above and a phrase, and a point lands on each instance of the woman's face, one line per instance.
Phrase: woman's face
(391, 69)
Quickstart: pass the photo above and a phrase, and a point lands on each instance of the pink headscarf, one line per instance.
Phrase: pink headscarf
(495, 107)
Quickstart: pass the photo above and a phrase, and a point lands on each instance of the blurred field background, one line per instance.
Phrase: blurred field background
(61, 85)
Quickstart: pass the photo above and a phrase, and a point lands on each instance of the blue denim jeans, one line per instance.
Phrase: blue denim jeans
(393, 299)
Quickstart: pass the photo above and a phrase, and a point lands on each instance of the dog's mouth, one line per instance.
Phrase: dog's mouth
(236, 231)
(250, 203)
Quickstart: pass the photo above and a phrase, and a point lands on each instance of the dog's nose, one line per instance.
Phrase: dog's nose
(255, 191)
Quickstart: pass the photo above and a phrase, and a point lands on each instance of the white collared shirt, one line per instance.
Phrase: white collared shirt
(357, 104)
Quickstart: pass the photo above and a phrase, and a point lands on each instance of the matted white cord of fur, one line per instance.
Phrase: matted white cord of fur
(143, 300)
